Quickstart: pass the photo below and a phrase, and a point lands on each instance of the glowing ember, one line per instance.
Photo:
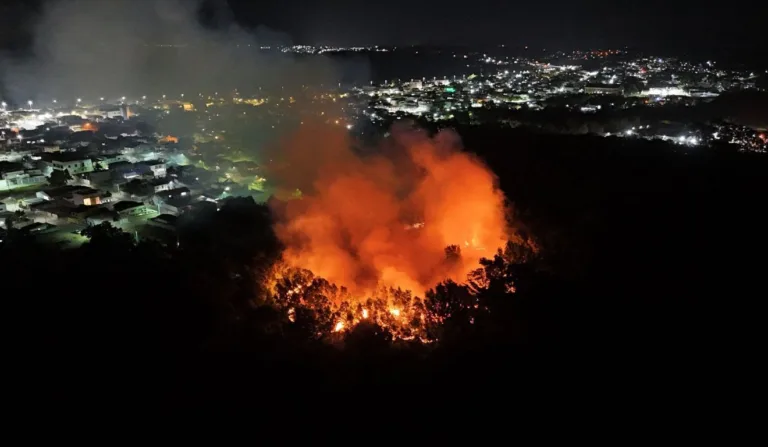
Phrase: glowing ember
(370, 234)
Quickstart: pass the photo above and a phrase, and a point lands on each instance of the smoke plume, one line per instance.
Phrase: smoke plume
(115, 48)
(385, 217)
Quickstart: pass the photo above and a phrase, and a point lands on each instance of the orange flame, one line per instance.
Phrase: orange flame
(385, 219)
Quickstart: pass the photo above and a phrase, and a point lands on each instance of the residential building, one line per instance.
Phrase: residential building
(72, 162)
(21, 178)
(127, 208)
(158, 167)
(91, 197)
(165, 221)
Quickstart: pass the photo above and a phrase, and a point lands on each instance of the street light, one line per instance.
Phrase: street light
(54, 101)
(30, 103)
(102, 98)
(79, 100)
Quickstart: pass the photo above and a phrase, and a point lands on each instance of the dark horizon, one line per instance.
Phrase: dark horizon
(557, 24)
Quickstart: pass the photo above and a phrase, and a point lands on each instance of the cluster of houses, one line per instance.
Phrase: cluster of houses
(133, 183)
(75, 172)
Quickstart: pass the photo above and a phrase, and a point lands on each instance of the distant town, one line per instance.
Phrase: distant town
(141, 162)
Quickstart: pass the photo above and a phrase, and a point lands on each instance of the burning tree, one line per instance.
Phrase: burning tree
(352, 252)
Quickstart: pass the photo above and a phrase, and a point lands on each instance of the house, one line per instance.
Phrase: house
(176, 193)
(73, 162)
(105, 160)
(127, 208)
(101, 215)
(173, 201)
(165, 221)
(39, 228)
(91, 197)
(64, 193)
(175, 206)
(96, 178)
(123, 170)
(163, 184)
(14, 176)
(157, 167)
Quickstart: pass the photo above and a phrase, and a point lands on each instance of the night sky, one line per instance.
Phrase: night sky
(541, 23)
(653, 24)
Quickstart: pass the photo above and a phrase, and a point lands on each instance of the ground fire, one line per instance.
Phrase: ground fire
(375, 229)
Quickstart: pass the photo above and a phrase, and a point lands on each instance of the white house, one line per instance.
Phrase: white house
(73, 166)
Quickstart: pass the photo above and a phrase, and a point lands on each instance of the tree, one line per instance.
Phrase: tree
(13, 218)
(107, 237)
(59, 178)
(137, 187)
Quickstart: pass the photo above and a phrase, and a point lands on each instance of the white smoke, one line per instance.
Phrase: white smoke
(112, 48)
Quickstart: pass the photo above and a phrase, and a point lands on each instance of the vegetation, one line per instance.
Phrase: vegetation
(59, 178)
(645, 250)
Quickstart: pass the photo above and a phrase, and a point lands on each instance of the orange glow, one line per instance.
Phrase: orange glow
(91, 127)
(385, 220)
(169, 139)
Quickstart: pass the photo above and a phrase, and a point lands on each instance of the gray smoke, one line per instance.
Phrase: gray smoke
(111, 48)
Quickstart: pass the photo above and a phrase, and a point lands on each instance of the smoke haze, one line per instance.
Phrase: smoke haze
(94, 48)
(385, 219)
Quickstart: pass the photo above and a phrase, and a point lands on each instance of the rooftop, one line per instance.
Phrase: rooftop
(126, 205)
(153, 162)
(168, 219)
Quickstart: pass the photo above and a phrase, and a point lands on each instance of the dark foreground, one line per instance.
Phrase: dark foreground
(651, 262)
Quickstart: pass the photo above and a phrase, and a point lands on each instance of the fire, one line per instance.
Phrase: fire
(414, 212)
